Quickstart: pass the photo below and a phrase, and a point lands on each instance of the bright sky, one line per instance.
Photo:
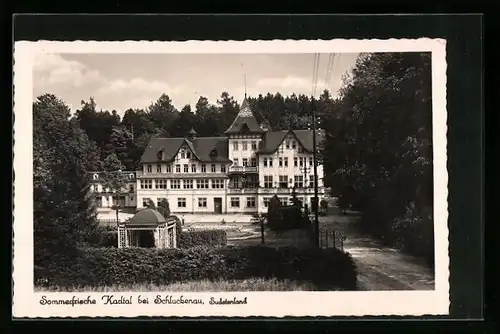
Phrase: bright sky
(122, 81)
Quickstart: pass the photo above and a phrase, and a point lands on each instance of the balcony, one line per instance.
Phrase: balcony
(243, 169)
(242, 190)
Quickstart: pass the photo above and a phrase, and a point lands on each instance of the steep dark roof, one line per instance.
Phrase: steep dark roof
(202, 147)
(273, 139)
(245, 121)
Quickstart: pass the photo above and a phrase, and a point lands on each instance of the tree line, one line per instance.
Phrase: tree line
(377, 154)
(127, 136)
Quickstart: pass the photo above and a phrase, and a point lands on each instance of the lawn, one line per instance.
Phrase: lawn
(253, 284)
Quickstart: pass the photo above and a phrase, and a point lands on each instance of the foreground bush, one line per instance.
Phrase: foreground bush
(327, 269)
(208, 238)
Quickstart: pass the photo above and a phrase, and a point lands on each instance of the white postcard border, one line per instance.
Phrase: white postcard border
(26, 302)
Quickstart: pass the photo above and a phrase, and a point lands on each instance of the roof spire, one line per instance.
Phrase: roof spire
(245, 85)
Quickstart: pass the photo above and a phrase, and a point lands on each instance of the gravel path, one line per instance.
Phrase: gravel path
(379, 267)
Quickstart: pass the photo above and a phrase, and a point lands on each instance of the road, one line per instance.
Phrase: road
(379, 267)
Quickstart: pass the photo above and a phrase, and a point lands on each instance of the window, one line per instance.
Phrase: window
(169, 168)
(213, 169)
(295, 162)
(145, 202)
(245, 162)
(268, 181)
(150, 169)
(285, 161)
(235, 146)
(217, 184)
(186, 168)
(193, 168)
(244, 145)
(301, 161)
(187, 184)
(311, 161)
(183, 155)
(254, 145)
(131, 188)
(265, 162)
(175, 184)
(188, 155)
(266, 201)
(280, 162)
(96, 187)
(203, 168)
(98, 201)
(159, 200)
(158, 168)
(161, 184)
(202, 184)
(253, 162)
(202, 202)
(280, 148)
(294, 145)
(146, 184)
(298, 181)
(283, 181)
(283, 201)
(270, 162)
(235, 161)
(311, 180)
(250, 202)
(222, 168)
(235, 202)
(95, 176)
(287, 144)
(181, 202)
(177, 168)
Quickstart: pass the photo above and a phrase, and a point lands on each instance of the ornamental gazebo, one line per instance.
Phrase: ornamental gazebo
(147, 220)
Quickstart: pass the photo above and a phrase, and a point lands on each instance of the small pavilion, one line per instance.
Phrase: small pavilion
(147, 220)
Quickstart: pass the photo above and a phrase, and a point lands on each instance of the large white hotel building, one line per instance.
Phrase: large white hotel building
(236, 173)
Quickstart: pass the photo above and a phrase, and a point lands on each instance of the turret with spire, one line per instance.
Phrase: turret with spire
(192, 134)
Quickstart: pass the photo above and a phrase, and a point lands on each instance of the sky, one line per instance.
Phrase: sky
(122, 81)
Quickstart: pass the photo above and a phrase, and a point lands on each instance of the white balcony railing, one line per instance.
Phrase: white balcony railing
(243, 169)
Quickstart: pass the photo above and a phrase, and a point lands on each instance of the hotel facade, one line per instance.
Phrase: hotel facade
(236, 173)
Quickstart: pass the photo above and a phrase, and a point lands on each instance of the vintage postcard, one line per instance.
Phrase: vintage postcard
(230, 178)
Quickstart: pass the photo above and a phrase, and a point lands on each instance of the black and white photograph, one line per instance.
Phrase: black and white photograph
(227, 175)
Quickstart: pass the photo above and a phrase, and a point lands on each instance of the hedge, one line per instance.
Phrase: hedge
(187, 239)
(209, 238)
(327, 269)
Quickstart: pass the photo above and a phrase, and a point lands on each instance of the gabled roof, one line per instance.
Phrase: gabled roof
(245, 121)
(202, 147)
(273, 139)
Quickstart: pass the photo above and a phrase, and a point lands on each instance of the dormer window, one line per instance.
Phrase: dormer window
(95, 176)
(131, 176)
(245, 128)
(213, 153)
(160, 155)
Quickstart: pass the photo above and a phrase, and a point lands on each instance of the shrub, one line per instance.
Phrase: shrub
(178, 228)
(414, 233)
(208, 238)
(325, 268)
